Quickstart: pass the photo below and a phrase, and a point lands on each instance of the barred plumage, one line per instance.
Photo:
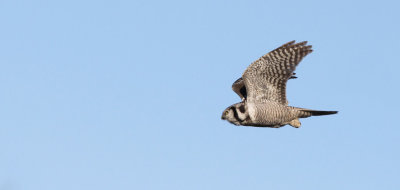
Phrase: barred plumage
(262, 89)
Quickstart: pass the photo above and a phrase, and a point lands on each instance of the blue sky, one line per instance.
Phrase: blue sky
(128, 95)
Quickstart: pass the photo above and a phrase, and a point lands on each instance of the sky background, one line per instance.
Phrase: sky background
(129, 94)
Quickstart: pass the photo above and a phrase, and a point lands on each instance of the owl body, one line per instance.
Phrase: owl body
(270, 114)
(267, 114)
(262, 89)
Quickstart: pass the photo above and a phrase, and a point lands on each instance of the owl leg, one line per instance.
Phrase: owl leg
(295, 123)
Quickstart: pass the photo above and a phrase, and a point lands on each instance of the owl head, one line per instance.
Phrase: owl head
(236, 114)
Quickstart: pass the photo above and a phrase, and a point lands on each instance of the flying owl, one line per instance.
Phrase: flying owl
(262, 89)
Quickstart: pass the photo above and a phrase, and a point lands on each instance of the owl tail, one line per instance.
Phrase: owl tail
(307, 113)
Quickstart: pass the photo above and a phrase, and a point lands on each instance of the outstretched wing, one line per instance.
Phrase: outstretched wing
(265, 79)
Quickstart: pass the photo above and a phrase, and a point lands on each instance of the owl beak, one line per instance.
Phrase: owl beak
(223, 117)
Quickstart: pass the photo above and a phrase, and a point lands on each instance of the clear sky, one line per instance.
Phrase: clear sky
(129, 95)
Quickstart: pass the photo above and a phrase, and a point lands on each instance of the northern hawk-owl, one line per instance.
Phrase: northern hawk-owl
(262, 89)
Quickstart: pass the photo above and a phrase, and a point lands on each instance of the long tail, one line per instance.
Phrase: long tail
(307, 113)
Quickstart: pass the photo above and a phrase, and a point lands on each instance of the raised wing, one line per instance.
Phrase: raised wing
(265, 79)
(239, 88)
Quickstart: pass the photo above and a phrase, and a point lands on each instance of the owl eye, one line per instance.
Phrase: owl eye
(226, 112)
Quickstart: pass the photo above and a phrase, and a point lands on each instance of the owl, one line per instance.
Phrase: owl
(262, 89)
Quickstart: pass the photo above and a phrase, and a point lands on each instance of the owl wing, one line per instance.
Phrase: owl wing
(239, 88)
(265, 79)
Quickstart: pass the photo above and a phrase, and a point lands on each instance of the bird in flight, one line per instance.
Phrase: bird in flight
(262, 89)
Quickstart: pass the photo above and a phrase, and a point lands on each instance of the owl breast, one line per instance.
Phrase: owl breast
(251, 107)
